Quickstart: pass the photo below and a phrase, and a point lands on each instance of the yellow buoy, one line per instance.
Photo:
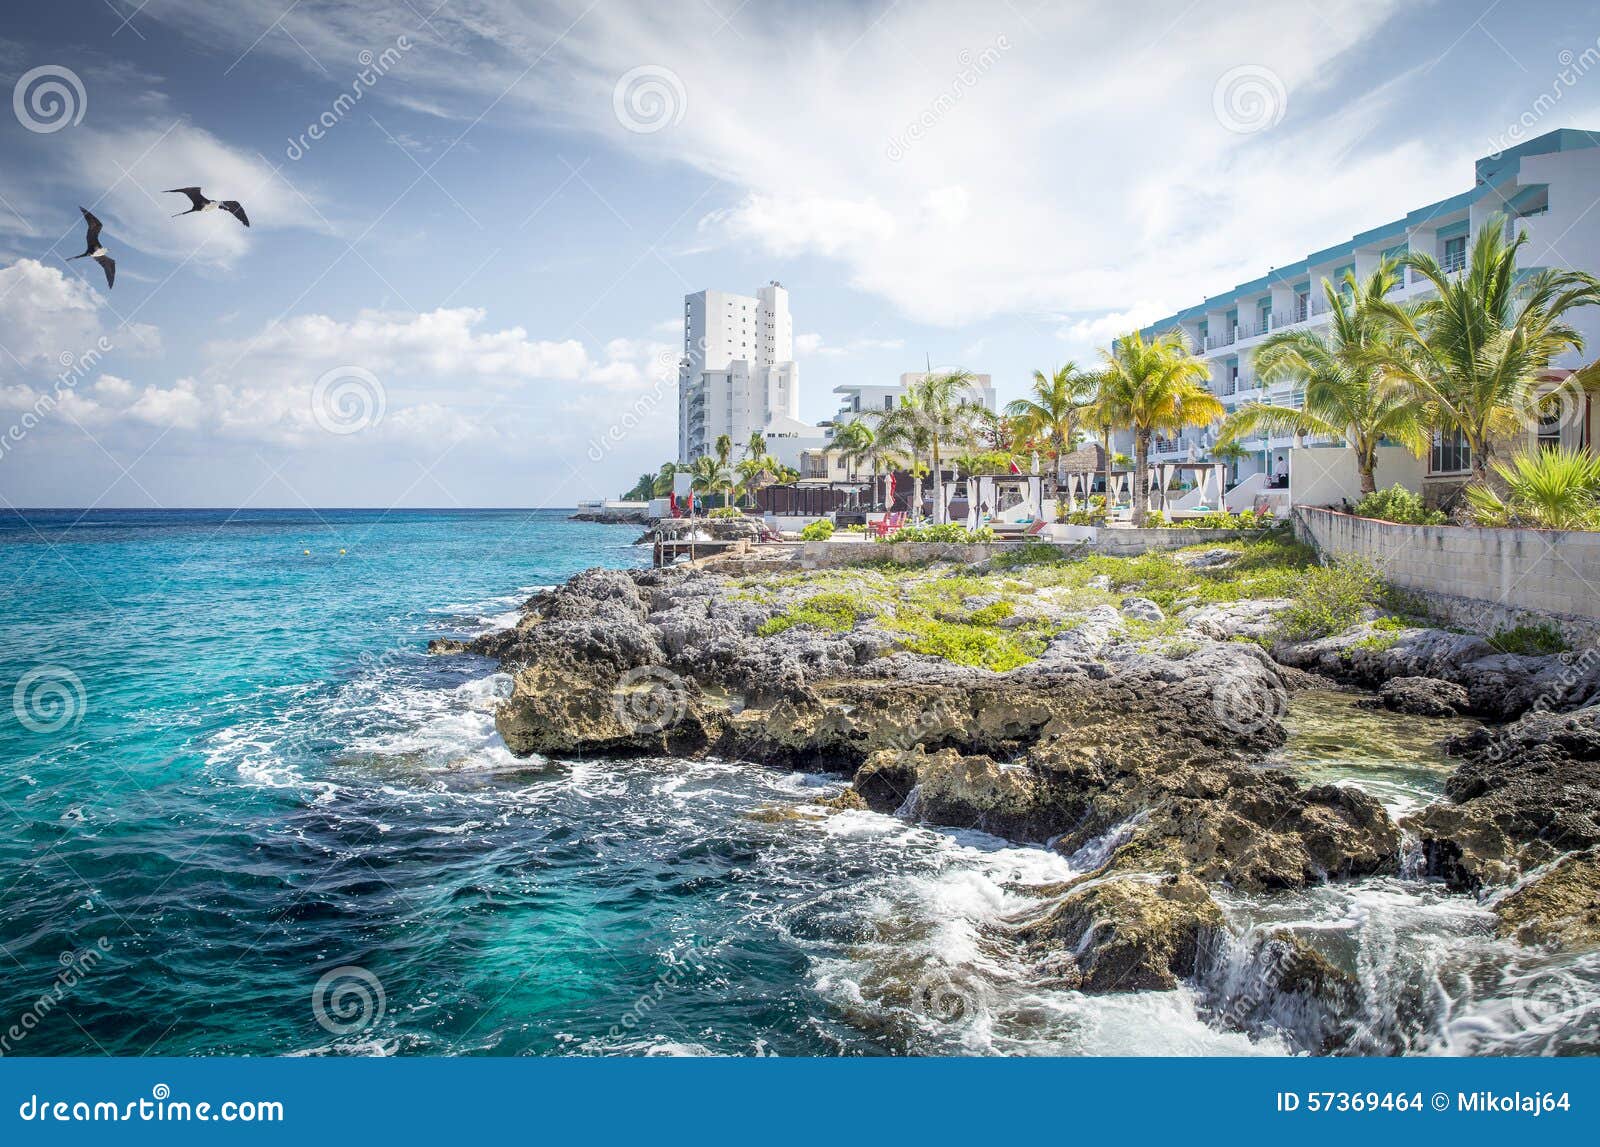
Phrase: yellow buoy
(341, 552)
(306, 552)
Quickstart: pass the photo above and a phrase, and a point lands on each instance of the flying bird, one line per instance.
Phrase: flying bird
(201, 203)
(95, 251)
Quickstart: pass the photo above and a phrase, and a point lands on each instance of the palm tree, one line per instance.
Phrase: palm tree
(641, 490)
(663, 478)
(757, 446)
(1479, 349)
(754, 473)
(708, 476)
(1230, 454)
(860, 444)
(1055, 409)
(937, 411)
(723, 449)
(1151, 386)
(1348, 393)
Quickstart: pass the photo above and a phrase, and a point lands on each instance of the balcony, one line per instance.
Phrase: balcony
(1220, 340)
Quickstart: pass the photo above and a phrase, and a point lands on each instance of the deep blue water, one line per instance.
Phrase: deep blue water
(246, 813)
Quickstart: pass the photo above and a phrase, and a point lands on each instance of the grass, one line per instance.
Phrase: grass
(966, 644)
(837, 612)
(1535, 640)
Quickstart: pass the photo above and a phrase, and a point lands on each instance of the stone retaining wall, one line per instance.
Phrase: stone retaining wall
(1485, 579)
(1114, 542)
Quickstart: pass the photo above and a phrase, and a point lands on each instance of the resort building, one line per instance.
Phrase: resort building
(870, 401)
(858, 400)
(738, 376)
(1546, 187)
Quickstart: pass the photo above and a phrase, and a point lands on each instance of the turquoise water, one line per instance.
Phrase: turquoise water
(242, 772)
(247, 814)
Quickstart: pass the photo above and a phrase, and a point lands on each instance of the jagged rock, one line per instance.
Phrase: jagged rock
(1526, 793)
(1424, 697)
(1142, 609)
(1212, 559)
(1281, 983)
(1559, 907)
(448, 645)
(1129, 933)
(557, 710)
(1229, 621)
(1499, 686)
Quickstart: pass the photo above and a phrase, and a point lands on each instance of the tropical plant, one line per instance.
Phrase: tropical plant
(1348, 393)
(722, 448)
(1397, 504)
(754, 473)
(1478, 351)
(1054, 409)
(756, 447)
(708, 476)
(642, 490)
(818, 531)
(938, 412)
(1546, 489)
(663, 479)
(1150, 386)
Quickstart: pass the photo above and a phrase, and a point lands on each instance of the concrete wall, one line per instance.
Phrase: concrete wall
(1326, 475)
(1483, 579)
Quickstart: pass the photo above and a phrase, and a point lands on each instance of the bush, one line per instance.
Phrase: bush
(962, 644)
(1535, 640)
(1330, 599)
(1547, 490)
(1397, 504)
(832, 611)
(1031, 553)
(949, 532)
(818, 531)
(726, 512)
(1089, 517)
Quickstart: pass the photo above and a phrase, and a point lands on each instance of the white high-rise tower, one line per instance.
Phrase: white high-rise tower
(738, 375)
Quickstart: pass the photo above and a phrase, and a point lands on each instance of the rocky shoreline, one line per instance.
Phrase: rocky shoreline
(1077, 713)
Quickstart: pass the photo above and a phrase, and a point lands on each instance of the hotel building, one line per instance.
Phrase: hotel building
(1547, 187)
(738, 376)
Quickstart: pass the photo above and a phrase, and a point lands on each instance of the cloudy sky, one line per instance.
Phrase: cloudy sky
(473, 222)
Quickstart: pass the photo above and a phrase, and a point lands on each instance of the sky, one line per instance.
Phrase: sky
(473, 222)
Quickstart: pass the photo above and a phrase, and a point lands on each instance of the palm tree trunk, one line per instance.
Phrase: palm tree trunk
(1141, 476)
(938, 486)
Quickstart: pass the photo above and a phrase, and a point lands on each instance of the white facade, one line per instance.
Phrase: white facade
(861, 400)
(1545, 187)
(738, 375)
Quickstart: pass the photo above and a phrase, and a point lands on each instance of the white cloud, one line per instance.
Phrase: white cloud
(960, 161)
(49, 317)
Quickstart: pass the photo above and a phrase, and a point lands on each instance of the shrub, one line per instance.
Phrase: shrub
(1089, 517)
(993, 613)
(949, 532)
(964, 644)
(1397, 504)
(726, 512)
(818, 531)
(833, 611)
(1535, 640)
(1547, 489)
(1031, 553)
(1330, 599)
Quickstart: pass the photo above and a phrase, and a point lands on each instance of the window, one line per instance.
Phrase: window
(1450, 453)
(1302, 305)
(1455, 253)
(888, 402)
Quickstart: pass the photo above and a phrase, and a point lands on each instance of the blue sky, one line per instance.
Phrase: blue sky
(477, 271)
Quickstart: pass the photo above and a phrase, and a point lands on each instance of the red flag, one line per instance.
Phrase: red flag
(672, 503)
(1015, 469)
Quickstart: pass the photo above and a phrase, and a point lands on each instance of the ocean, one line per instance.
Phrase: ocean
(248, 814)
